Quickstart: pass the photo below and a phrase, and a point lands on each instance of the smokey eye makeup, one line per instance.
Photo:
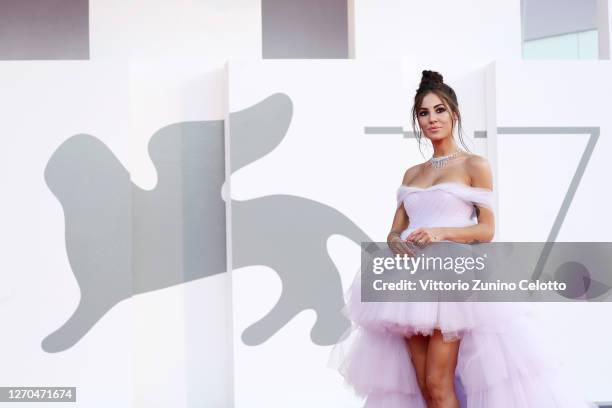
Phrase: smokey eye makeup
(439, 110)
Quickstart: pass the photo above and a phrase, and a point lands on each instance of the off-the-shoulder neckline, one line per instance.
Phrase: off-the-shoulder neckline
(445, 183)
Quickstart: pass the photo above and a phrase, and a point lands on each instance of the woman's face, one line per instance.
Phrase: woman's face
(435, 119)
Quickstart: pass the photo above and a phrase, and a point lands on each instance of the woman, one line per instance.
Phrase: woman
(411, 354)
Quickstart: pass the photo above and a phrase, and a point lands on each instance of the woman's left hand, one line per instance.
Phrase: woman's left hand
(424, 236)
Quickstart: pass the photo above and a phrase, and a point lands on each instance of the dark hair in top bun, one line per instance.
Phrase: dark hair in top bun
(430, 78)
(432, 81)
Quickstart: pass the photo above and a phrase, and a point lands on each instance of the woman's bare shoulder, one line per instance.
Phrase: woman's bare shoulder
(479, 170)
(474, 161)
(411, 173)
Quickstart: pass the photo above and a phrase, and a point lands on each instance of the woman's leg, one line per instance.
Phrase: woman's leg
(417, 346)
(440, 371)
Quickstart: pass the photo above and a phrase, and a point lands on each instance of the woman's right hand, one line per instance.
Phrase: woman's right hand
(399, 246)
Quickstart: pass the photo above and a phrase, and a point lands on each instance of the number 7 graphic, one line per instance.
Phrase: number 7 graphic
(571, 191)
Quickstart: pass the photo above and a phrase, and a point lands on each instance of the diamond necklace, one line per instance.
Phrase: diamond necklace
(438, 162)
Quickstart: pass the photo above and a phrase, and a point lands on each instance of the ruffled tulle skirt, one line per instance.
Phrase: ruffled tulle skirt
(503, 359)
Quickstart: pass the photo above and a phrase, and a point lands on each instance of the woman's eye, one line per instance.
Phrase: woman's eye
(440, 110)
(423, 113)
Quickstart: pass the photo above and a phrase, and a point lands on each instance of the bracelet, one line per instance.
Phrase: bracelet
(391, 234)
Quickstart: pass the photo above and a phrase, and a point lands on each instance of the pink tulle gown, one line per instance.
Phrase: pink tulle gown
(503, 362)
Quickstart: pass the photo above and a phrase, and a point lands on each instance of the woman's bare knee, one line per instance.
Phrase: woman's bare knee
(440, 385)
(440, 370)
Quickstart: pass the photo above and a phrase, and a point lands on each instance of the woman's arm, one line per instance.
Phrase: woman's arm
(481, 232)
(480, 174)
(401, 222)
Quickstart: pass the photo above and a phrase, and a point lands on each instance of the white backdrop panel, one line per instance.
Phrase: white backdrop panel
(44, 103)
(534, 173)
(448, 35)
